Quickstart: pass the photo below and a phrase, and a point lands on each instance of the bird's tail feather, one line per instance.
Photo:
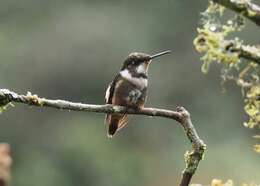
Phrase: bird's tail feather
(115, 123)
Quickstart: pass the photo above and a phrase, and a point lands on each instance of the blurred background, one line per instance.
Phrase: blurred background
(72, 50)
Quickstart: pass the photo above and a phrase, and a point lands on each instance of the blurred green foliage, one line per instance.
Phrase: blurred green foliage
(72, 50)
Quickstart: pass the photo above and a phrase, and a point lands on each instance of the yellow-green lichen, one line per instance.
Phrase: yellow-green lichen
(34, 99)
(212, 36)
(214, 46)
(214, 8)
(117, 109)
(239, 61)
(252, 107)
(257, 148)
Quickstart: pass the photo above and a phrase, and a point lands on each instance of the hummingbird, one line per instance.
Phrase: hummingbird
(129, 88)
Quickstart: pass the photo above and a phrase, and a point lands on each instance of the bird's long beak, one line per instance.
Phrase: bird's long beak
(160, 54)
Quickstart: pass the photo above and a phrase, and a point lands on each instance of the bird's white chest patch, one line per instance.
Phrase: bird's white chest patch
(140, 82)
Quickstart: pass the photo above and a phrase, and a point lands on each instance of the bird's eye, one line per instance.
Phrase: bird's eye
(132, 62)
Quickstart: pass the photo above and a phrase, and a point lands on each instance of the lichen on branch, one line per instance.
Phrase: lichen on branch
(244, 7)
(239, 62)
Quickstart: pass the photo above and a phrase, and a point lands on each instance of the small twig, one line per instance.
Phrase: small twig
(244, 7)
(249, 52)
(181, 115)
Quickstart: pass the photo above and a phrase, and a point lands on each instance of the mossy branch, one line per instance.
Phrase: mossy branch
(249, 52)
(181, 115)
(244, 7)
(226, 51)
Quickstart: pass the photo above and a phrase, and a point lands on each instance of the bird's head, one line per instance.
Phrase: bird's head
(138, 63)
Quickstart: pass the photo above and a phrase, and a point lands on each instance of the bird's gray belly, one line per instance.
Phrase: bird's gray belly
(127, 94)
(134, 96)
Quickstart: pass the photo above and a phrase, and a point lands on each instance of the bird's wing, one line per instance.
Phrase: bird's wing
(110, 90)
(115, 122)
(109, 96)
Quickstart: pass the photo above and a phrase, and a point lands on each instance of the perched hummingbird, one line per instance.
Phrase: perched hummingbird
(129, 88)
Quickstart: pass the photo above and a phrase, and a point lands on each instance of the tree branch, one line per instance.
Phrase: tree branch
(181, 115)
(248, 52)
(204, 39)
(244, 7)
